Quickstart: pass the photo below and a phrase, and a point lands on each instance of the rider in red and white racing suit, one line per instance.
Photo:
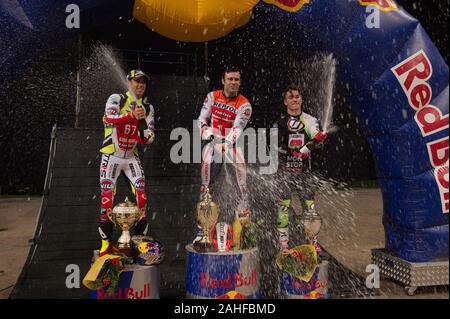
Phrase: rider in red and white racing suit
(128, 120)
(224, 116)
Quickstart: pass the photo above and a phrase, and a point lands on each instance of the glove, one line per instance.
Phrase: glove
(208, 134)
(320, 137)
(303, 154)
(151, 137)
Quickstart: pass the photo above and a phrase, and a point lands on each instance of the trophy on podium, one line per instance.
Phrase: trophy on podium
(312, 223)
(125, 215)
(207, 215)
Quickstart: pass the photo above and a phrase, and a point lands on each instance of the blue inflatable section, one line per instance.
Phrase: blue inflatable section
(395, 78)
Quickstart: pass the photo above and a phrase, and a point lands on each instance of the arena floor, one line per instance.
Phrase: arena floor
(352, 226)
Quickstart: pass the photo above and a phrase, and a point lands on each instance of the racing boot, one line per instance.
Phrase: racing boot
(283, 224)
(242, 217)
(313, 241)
(105, 230)
(107, 248)
(199, 235)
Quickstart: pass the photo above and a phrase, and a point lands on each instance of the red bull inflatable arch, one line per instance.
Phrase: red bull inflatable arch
(397, 79)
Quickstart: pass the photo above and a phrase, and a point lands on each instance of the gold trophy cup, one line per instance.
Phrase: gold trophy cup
(125, 215)
(207, 215)
(312, 223)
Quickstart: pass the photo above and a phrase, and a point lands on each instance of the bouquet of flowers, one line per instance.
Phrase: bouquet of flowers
(249, 235)
(300, 262)
(105, 272)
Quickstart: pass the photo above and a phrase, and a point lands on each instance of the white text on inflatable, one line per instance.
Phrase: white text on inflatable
(73, 19)
(413, 75)
(373, 19)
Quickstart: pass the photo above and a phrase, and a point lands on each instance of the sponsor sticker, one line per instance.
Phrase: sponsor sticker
(107, 186)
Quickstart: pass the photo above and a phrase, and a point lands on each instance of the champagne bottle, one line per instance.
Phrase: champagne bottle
(142, 124)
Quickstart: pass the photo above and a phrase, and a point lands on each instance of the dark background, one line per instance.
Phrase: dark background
(44, 94)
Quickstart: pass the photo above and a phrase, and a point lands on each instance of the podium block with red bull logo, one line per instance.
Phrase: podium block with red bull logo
(136, 282)
(223, 275)
(316, 288)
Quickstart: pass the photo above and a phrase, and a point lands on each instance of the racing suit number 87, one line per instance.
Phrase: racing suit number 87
(128, 129)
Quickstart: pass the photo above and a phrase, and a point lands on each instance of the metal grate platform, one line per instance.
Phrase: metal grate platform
(411, 275)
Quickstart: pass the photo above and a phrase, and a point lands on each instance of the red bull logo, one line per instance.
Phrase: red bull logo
(413, 75)
(288, 5)
(126, 293)
(232, 281)
(383, 5)
(314, 295)
(232, 295)
(307, 286)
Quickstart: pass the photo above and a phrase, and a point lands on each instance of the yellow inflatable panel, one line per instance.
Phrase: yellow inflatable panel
(193, 20)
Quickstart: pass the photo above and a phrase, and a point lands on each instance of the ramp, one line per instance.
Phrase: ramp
(67, 228)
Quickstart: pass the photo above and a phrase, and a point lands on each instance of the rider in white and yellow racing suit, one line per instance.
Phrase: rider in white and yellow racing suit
(128, 120)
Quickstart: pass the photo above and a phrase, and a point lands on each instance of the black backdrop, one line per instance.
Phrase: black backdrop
(45, 94)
